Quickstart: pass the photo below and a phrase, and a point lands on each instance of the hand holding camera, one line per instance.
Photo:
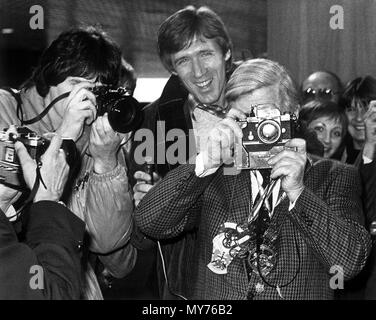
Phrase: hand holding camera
(79, 110)
(289, 165)
(54, 170)
(370, 124)
(221, 142)
(104, 145)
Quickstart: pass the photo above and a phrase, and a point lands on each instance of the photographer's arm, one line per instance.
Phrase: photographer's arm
(173, 204)
(47, 265)
(330, 218)
(104, 200)
(332, 224)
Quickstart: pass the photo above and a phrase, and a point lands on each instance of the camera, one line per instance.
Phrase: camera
(36, 145)
(124, 112)
(264, 134)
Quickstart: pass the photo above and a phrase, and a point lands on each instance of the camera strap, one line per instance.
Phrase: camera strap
(16, 95)
(45, 111)
(38, 180)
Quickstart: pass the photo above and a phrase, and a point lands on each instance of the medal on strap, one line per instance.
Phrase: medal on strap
(239, 241)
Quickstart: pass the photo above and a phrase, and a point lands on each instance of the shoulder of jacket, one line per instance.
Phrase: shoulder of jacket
(334, 166)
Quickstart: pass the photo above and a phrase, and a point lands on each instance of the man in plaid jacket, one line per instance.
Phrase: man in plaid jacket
(312, 232)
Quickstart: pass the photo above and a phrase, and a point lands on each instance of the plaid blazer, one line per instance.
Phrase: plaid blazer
(323, 230)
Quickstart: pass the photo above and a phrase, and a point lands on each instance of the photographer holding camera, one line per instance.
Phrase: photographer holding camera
(50, 252)
(62, 96)
(271, 232)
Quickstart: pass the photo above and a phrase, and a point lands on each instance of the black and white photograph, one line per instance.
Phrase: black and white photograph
(160, 152)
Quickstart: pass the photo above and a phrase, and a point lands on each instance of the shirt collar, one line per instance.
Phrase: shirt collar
(193, 104)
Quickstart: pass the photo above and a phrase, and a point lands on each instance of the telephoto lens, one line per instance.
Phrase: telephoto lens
(124, 114)
(124, 111)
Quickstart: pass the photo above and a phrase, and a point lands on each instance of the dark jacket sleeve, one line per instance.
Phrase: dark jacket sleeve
(172, 205)
(47, 265)
(333, 223)
(368, 176)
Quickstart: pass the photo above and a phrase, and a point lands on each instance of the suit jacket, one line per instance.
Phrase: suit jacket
(323, 230)
(169, 108)
(53, 242)
(368, 176)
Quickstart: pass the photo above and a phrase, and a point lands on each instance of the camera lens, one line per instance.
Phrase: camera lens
(124, 114)
(269, 131)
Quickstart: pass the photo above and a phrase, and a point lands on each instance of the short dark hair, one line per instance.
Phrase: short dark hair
(315, 109)
(178, 31)
(128, 76)
(83, 52)
(359, 89)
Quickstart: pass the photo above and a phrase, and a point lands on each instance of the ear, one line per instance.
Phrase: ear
(173, 72)
(228, 55)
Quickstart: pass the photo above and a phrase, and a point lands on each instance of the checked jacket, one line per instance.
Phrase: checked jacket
(322, 233)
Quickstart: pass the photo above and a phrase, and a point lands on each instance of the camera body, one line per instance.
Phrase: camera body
(264, 135)
(10, 168)
(124, 111)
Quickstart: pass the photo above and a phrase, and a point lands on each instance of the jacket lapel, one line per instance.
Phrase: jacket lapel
(238, 196)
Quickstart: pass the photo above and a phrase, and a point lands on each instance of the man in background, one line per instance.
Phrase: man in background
(322, 85)
(194, 46)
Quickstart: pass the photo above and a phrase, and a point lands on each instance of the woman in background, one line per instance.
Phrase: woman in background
(329, 122)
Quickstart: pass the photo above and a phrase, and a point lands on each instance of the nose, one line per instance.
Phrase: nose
(359, 114)
(198, 68)
(326, 138)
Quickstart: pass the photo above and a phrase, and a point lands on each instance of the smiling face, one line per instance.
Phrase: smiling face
(355, 115)
(202, 69)
(329, 132)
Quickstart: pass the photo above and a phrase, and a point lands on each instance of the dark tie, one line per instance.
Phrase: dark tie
(259, 226)
(263, 219)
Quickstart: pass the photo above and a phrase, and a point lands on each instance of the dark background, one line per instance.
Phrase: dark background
(294, 32)
(132, 23)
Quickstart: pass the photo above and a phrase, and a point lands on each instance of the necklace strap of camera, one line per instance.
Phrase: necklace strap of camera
(38, 180)
(39, 116)
(45, 111)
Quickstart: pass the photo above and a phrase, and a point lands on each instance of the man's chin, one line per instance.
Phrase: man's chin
(208, 99)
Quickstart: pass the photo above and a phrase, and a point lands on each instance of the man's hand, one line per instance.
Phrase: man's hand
(221, 143)
(289, 166)
(143, 186)
(370, 124)
(54, 170)
(8, 196)
(79, 110)
(104, 145)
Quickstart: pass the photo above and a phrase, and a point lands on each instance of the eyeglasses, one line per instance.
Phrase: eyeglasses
(325, 93)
